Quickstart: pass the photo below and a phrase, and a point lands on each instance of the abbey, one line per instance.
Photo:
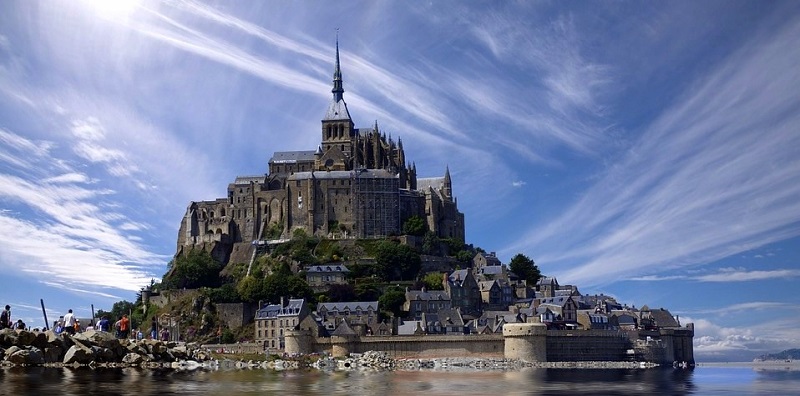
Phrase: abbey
(357, 183)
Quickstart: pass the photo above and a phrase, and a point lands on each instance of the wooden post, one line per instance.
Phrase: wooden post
(46, 324)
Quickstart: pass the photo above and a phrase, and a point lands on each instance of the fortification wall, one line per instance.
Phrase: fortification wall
(165, 297)
(416, 346)
(236, 314)
(587, 345)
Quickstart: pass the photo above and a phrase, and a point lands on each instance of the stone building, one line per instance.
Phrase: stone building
(464, 292)
(356, 183)
(273, 320)
(319, 277)
(361, 314)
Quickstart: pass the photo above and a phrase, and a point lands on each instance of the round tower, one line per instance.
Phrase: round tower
(525, 341)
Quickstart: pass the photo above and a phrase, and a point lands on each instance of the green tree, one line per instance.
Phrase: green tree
(226, 293)
(415, 225)
(397, 261)
(119, 308)
(525, 268)
(430, 243)
(250, 288)
(193, 270)
(433, 281)
(392, 301)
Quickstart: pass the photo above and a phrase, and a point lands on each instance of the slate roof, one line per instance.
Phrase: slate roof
(248, 179)
(362, 174)
(491, 270)
(353, 306)
(294, 307)
(337, 110)
(291, 157)
(343, 330)
(327, 268)
(439, 295)
(664, 318)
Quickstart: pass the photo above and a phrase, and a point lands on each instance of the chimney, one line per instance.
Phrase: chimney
(282, 305)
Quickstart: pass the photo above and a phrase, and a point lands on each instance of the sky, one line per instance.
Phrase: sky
(645, 150)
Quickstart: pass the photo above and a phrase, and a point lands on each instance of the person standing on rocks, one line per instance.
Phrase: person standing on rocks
(103, 324)
(154, 329)
(69, 323)
(124, 327)
(5, 318)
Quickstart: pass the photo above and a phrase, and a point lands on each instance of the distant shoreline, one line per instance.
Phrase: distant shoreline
(767, 364)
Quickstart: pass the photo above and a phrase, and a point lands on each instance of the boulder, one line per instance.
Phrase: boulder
(133, 359)
(27, 356)
(25, 337)
(98, 338)
(53, 354)
(78, 354)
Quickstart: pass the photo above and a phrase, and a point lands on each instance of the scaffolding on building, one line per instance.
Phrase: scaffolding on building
(376, 203)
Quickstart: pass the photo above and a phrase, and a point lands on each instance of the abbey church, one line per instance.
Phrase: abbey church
(356, 184)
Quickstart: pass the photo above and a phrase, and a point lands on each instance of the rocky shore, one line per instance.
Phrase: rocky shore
(93, 348)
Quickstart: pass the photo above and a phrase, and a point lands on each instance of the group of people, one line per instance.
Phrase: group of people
(7, 323)
(70, 324)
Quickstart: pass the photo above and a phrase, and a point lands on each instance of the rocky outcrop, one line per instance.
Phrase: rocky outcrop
(30, 348)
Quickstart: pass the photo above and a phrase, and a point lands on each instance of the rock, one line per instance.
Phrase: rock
(99, 338)
(78, 354)
(26, 356)
(133, 359)
(25, 338)
(53, 354)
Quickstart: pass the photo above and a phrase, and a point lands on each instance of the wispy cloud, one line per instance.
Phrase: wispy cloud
(725, 275)
(74, 232)
(745, 276)
(716, 174)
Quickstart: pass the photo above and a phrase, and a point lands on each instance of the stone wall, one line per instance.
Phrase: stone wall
(587, 345)
(416, 346)
(236, 314)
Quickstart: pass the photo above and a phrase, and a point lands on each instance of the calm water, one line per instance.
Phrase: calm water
(700, 381)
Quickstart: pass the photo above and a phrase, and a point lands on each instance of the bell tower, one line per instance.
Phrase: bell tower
(337, 126)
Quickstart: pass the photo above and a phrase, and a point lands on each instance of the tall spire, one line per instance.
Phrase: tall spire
(337, 75)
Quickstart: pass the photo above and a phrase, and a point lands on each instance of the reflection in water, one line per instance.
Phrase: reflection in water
(126, 381)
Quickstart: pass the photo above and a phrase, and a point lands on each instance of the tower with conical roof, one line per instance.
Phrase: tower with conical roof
(337, 126)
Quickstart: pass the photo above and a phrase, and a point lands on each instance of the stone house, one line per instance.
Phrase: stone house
(360, 315)
(319, 277)
(496, 294)
(464, 292)
(424, 301)
(272, 321)
(564, 307)
(590, 320)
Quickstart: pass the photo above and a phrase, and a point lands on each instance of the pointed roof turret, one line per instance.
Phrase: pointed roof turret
(337, 110)
(337, 90)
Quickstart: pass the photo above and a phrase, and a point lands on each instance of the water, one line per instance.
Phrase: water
(703, 380)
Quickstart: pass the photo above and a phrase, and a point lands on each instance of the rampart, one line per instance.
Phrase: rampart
(591, 345)
(423, 346)
(524, 341)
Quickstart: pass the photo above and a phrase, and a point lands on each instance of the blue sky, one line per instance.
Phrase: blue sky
(645, 150)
